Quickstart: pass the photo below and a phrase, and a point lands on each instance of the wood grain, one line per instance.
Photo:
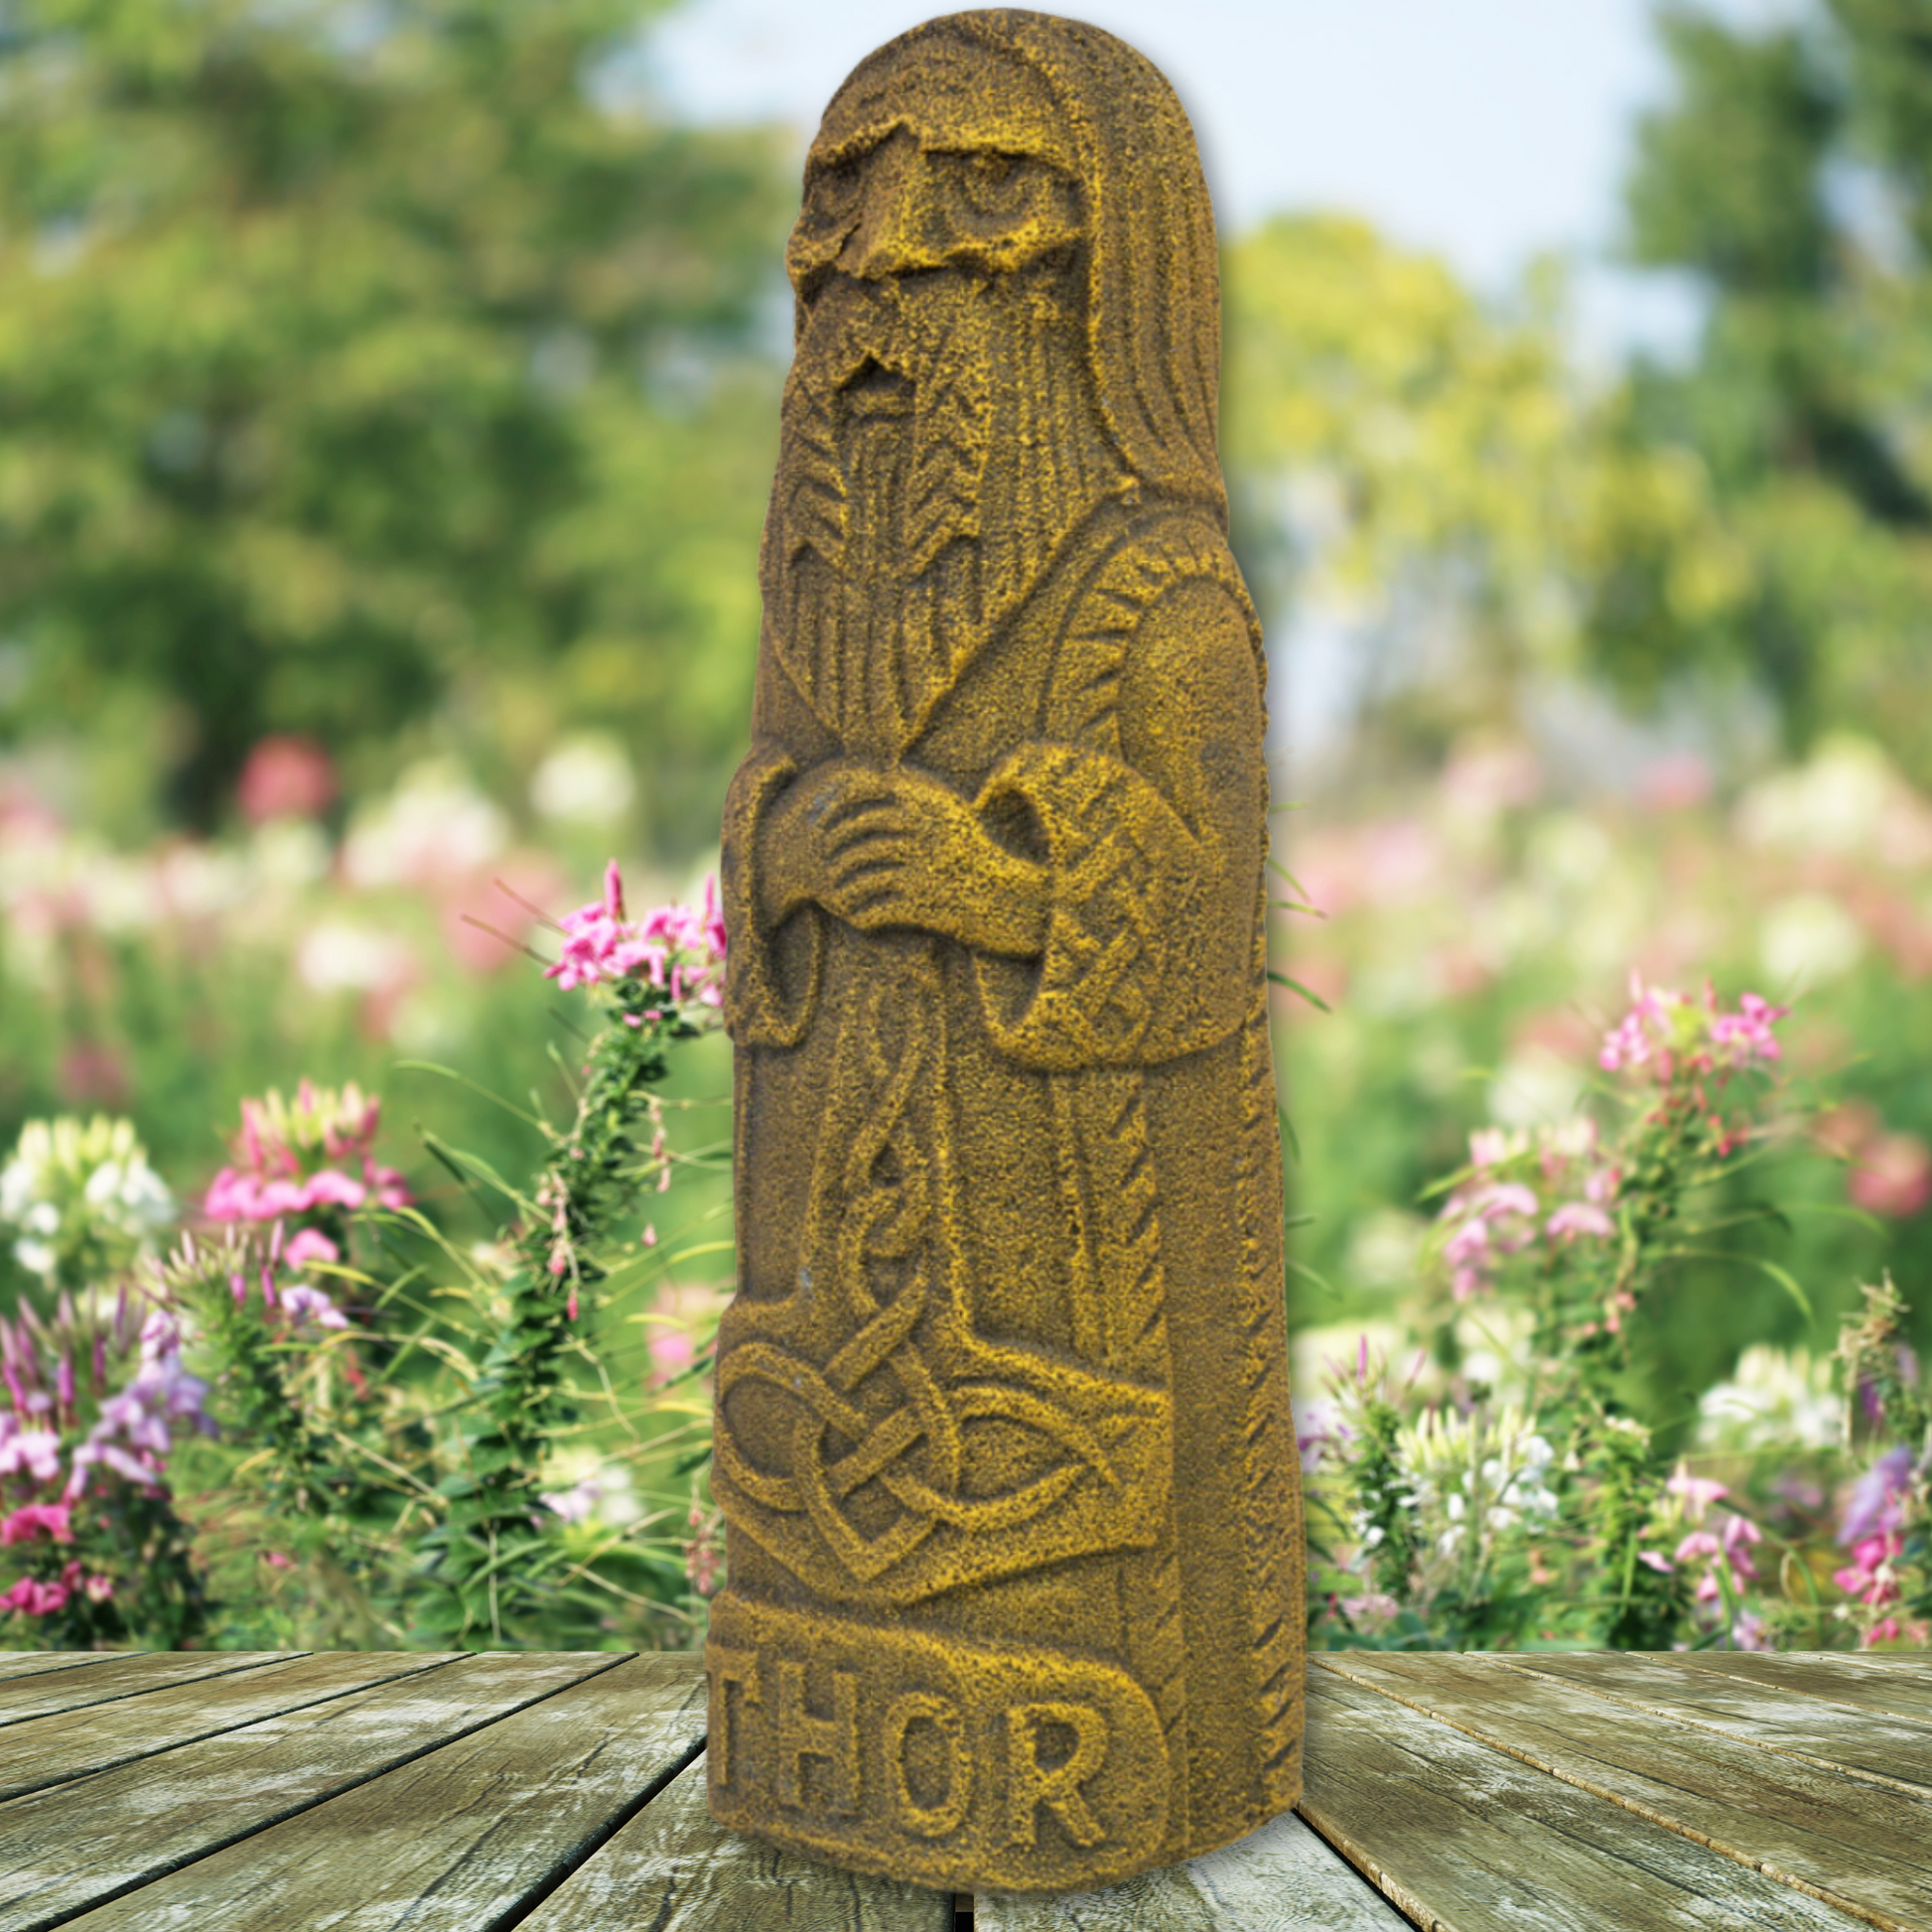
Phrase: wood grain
(1886, 1750)
(77, 1845)
(67, 1849)
(1843, 1679)
(1817, 1830)
(1465, 1839)
(40, 1694)
(69, 1744)
(674, 1869)
(1280, 1878)
(30, 1663)
(455, 1841)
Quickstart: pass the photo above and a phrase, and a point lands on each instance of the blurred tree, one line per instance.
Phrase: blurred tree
(366, 364)
(1791, 175)
(1439, 476)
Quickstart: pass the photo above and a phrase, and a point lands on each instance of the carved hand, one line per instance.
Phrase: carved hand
(901, 848)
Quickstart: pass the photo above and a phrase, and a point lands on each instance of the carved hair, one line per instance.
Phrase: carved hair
(1153, 315)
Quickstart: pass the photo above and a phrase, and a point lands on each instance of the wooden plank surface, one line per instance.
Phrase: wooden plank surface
(1546, 1792)
(69, 1744)
(1280, 1878)
(1816, 1830)
(128, 1675)
(122, 1676)
(67, 1849)
(1881, 1749)
(1465, 1839)
(30, 1663)
(674, 1870)
(1844, 1678)
(457, 1839)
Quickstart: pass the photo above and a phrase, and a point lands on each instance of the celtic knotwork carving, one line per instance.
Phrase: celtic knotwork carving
(873, 1371)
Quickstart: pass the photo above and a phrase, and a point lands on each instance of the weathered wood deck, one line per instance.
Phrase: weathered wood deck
(565, 1793)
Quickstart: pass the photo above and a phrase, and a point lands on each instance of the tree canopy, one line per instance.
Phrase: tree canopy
(1790, 176)
(367, 373)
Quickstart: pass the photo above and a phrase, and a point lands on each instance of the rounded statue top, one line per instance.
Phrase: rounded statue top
(988, 140)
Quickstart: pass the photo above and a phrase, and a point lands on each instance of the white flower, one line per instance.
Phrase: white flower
(1774, 1399)
(335, 957)
(1808, 938)
(435, 825)
(586, 781)
(82, 1189)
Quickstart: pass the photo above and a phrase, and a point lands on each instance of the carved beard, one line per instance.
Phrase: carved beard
(893, 547)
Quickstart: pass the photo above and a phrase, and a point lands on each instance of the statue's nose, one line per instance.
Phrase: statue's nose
(891, 234)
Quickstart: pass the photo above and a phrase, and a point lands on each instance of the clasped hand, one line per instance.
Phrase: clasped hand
(881, 847)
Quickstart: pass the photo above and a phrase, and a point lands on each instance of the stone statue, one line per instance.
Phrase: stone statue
(1003, 1438)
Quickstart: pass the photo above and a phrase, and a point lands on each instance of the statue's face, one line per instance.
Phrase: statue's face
(958, 166)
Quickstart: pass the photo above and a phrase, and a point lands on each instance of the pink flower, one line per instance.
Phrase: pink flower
(1893, 1177)
(671, 1352)
(680, 949)
(1699, 1492)
(306, 1245)
(1643, 1035)
(1504, 1197)
(1578, 1217)
(35, 1599)
(285, 777)
(1700, 1542)
(328, 1186)
(53, 1519)
(1656, 1561)
(1746, 1033)
(388, 1187)
(1869, 1577)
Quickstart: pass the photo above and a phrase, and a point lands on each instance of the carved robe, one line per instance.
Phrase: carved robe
(1002, 1432)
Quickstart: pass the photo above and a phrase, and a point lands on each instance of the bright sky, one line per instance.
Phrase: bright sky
(1485, 130)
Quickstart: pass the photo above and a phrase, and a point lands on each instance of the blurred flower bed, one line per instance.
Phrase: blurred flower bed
(1582, 1352)
(1490, 962)
(282, 1385)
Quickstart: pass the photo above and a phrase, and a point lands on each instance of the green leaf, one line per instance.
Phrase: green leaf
(473, 1086)
(1295, 986)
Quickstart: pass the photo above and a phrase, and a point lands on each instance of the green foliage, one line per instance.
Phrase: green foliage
(1434, 473)
(1787, 176)
(1640, 1607)
(363, 376)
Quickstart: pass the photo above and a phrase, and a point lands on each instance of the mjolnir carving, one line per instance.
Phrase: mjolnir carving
(1004, 1441)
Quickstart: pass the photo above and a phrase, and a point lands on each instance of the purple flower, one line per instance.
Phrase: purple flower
(1878, 1503)
(306, 1304)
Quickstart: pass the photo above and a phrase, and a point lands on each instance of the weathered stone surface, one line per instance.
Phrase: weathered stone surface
(1004, 1441)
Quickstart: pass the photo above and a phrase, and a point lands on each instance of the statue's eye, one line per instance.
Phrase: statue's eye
(834, 192)
(995, 184)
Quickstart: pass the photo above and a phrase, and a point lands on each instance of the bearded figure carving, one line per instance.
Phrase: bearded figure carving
(1003, 1439)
